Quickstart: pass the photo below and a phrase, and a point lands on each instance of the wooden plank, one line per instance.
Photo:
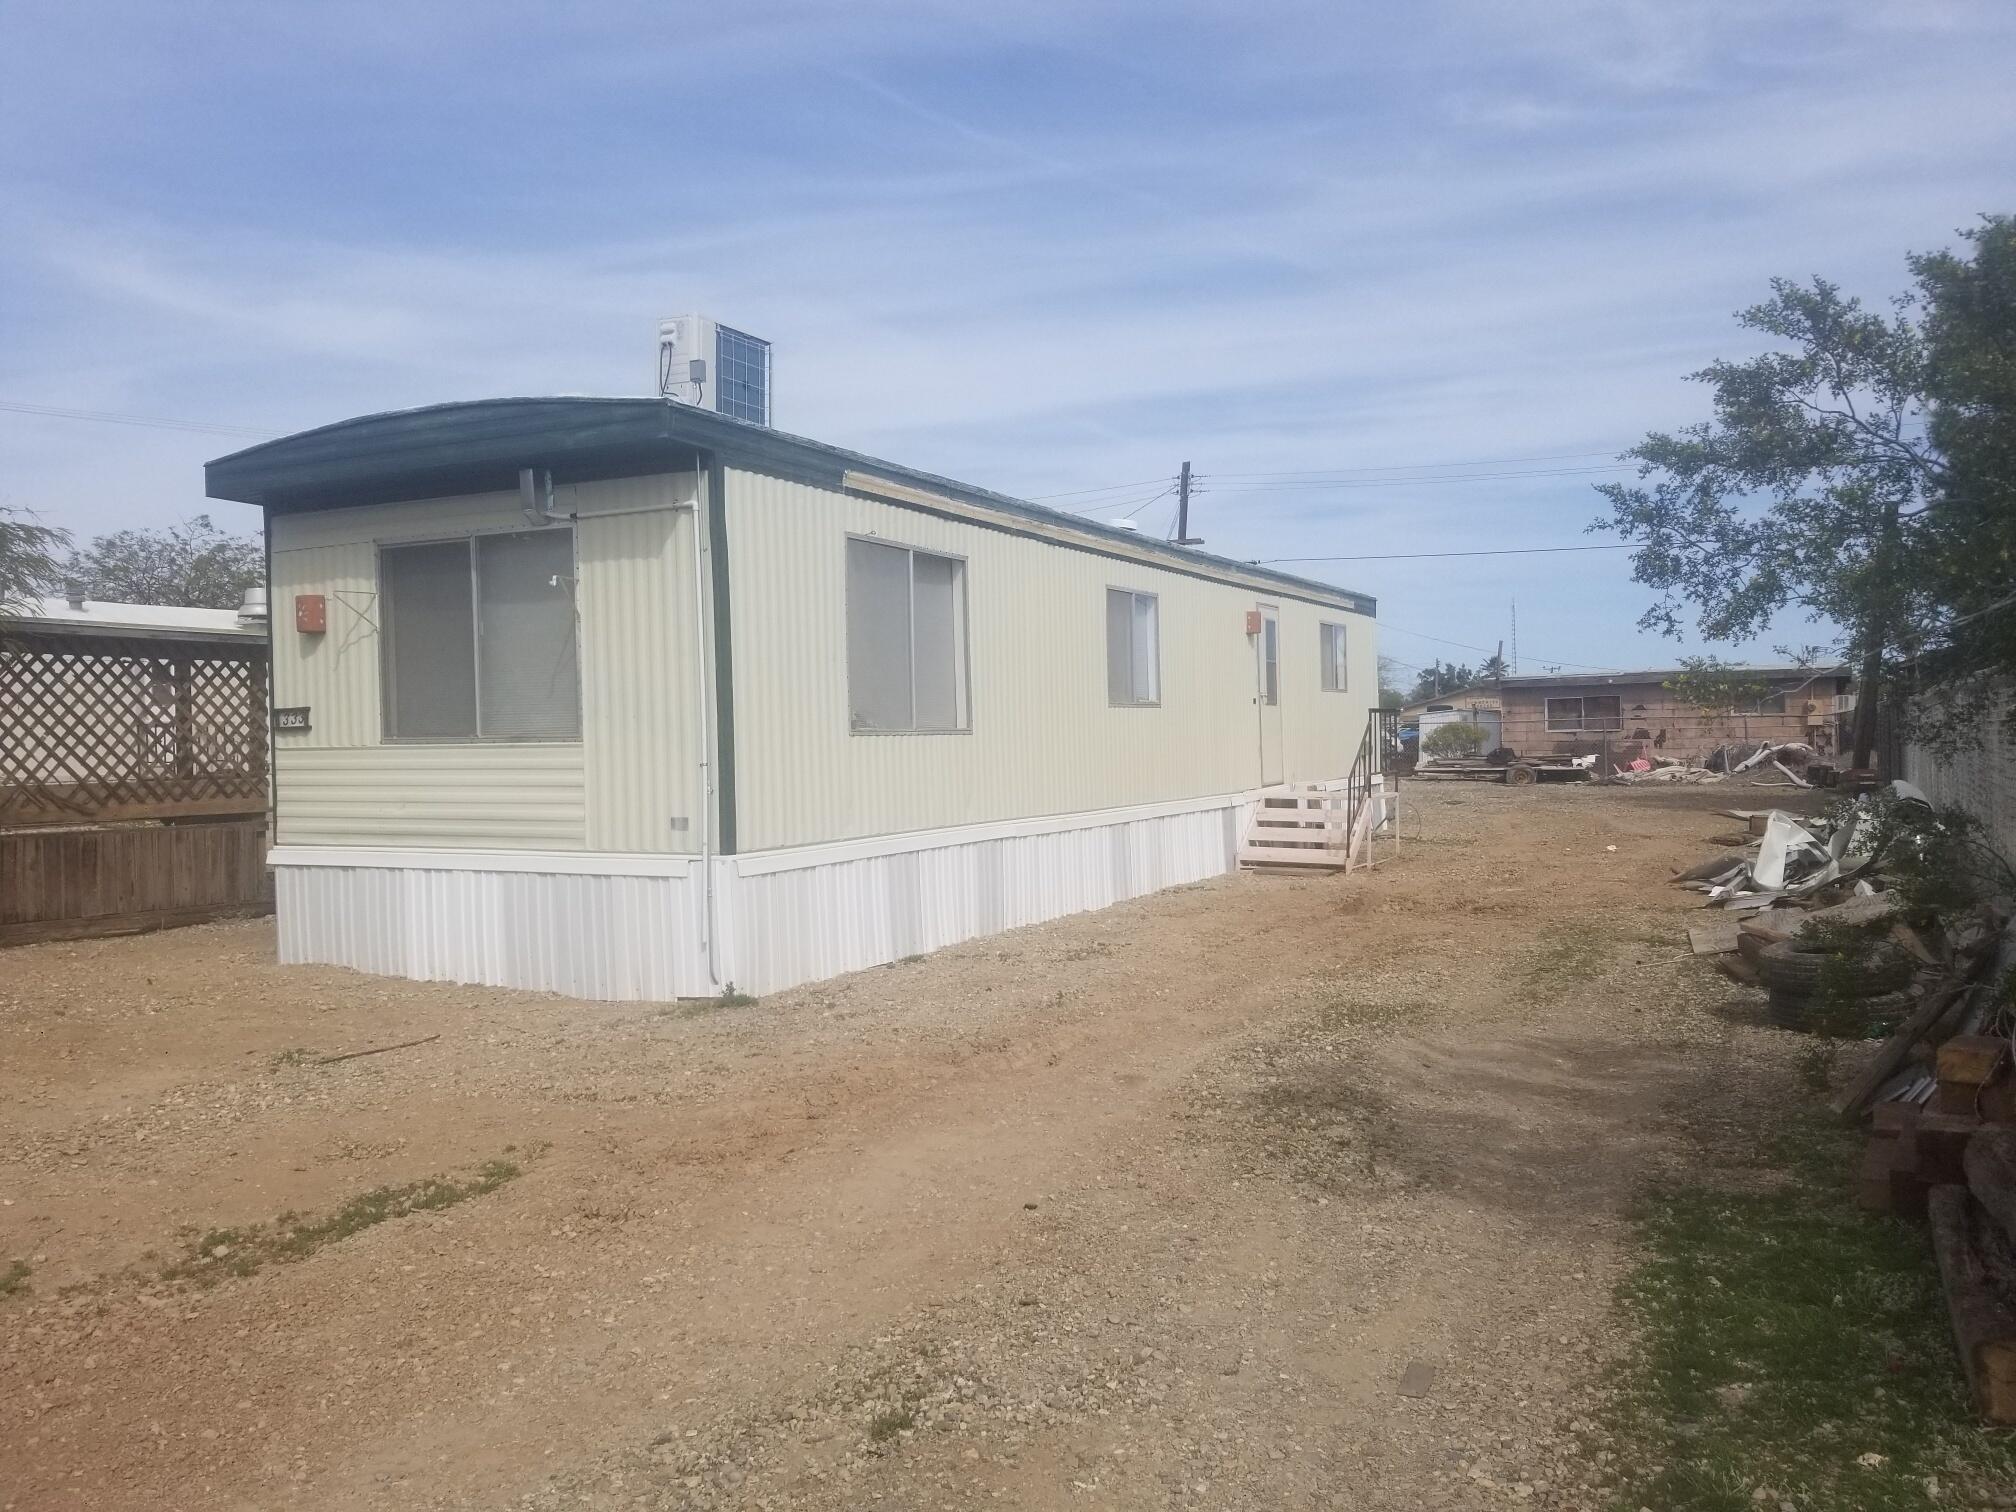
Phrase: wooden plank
(1972, 1058)
(1933, 1007)
(1984, 1324)
(1990, 1165)
(131, 923)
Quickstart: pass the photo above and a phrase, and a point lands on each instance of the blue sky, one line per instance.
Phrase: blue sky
(1043, 248)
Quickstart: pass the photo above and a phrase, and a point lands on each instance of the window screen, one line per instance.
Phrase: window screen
(906, 638)
(530, 675)
(1270, 658)
(479, 639)
(1564, 714)
(1335, 678)
(1603, 711)
(429, 625)
(1133, 648)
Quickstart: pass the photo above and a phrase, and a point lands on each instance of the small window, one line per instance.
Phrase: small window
(478, 638)
(1335, 677)
(1133, 649)
(1598, 712)
(906, 639)
(1270, 657)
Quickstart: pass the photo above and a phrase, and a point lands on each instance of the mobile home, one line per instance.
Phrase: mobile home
(626, 698)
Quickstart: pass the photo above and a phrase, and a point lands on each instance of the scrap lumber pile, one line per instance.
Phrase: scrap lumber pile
(1791, 765)
(1882, 916)
(1974, 1235)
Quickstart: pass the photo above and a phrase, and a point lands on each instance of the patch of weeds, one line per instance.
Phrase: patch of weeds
(219, 1253)
(1792, 1348)
(298, 1055)
(14, 1278)
(889, 1422)
(1572, 955)
(1816, 1066)
(701, 1007)
(908, 960)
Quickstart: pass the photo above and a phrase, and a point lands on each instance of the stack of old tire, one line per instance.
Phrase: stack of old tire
(1808, 980)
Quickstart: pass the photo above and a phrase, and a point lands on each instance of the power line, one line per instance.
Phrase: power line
(1405, 556)
(1079, 493)
(1324, 486)
(108, 417)
(1423, 466)
(1559, 661)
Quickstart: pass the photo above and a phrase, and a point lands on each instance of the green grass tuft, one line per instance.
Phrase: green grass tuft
(14, 1278)
(1784, 1336)
(887, 1424)
(221, 1253)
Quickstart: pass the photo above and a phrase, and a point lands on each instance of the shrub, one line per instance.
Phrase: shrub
(1457, 738)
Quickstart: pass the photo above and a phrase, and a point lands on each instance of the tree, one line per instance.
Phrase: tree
(1457, 738)
(1970, 359)
(1717, 687)
(28, 565)
(1841, 476)
(1392, 684)
(1494, 669)
(1443, 677)
(193, 565)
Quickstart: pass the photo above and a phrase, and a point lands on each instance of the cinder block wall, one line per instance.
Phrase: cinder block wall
(1980, 779)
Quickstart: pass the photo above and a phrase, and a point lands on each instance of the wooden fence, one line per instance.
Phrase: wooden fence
(101, 728)
(64, 884)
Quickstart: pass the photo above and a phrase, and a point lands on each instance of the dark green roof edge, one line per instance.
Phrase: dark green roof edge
(478, 446)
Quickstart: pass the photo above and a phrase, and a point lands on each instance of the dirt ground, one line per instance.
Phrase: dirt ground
(1145, 1208)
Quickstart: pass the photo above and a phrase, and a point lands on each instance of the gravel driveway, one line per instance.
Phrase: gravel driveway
(1145, 1208)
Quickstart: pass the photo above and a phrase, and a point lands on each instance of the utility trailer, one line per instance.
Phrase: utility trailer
(1520, 771)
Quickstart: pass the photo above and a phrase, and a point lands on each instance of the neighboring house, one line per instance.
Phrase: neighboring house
(527, 734)
(1481, 696)
(1639, 715)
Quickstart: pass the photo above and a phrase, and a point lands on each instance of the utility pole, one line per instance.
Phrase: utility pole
(1183, 536)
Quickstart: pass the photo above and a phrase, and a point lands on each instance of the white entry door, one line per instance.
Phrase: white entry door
(1267, 693)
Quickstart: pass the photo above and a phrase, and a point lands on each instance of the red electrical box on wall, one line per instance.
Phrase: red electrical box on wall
(1252, 621)
(311, 613)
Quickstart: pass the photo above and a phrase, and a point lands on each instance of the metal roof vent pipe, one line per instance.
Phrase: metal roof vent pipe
(73, 590)
(253, 610)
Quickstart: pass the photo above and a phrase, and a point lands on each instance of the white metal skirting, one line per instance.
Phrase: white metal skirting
(495, 918)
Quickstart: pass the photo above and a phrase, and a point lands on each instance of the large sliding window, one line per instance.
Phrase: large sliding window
(906, 639)
(1133, 649)
(478, 638)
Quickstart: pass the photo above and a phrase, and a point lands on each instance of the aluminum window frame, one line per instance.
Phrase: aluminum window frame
(1134, 595)
(1339, 666)
(962, 661)
(387, 672)
(1583, 714)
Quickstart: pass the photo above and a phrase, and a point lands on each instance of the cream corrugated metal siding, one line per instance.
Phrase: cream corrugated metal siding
(619, 788)
(1043, 737)
(639, 671)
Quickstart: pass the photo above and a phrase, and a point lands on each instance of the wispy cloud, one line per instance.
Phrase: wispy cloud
(1046, 248)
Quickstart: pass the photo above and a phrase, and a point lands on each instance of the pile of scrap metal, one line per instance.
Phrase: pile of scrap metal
(1806, 913)
(1665, 769)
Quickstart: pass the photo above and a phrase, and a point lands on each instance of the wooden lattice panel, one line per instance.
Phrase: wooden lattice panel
(92, 728)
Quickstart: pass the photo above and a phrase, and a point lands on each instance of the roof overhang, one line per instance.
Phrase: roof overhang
(481, 447)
